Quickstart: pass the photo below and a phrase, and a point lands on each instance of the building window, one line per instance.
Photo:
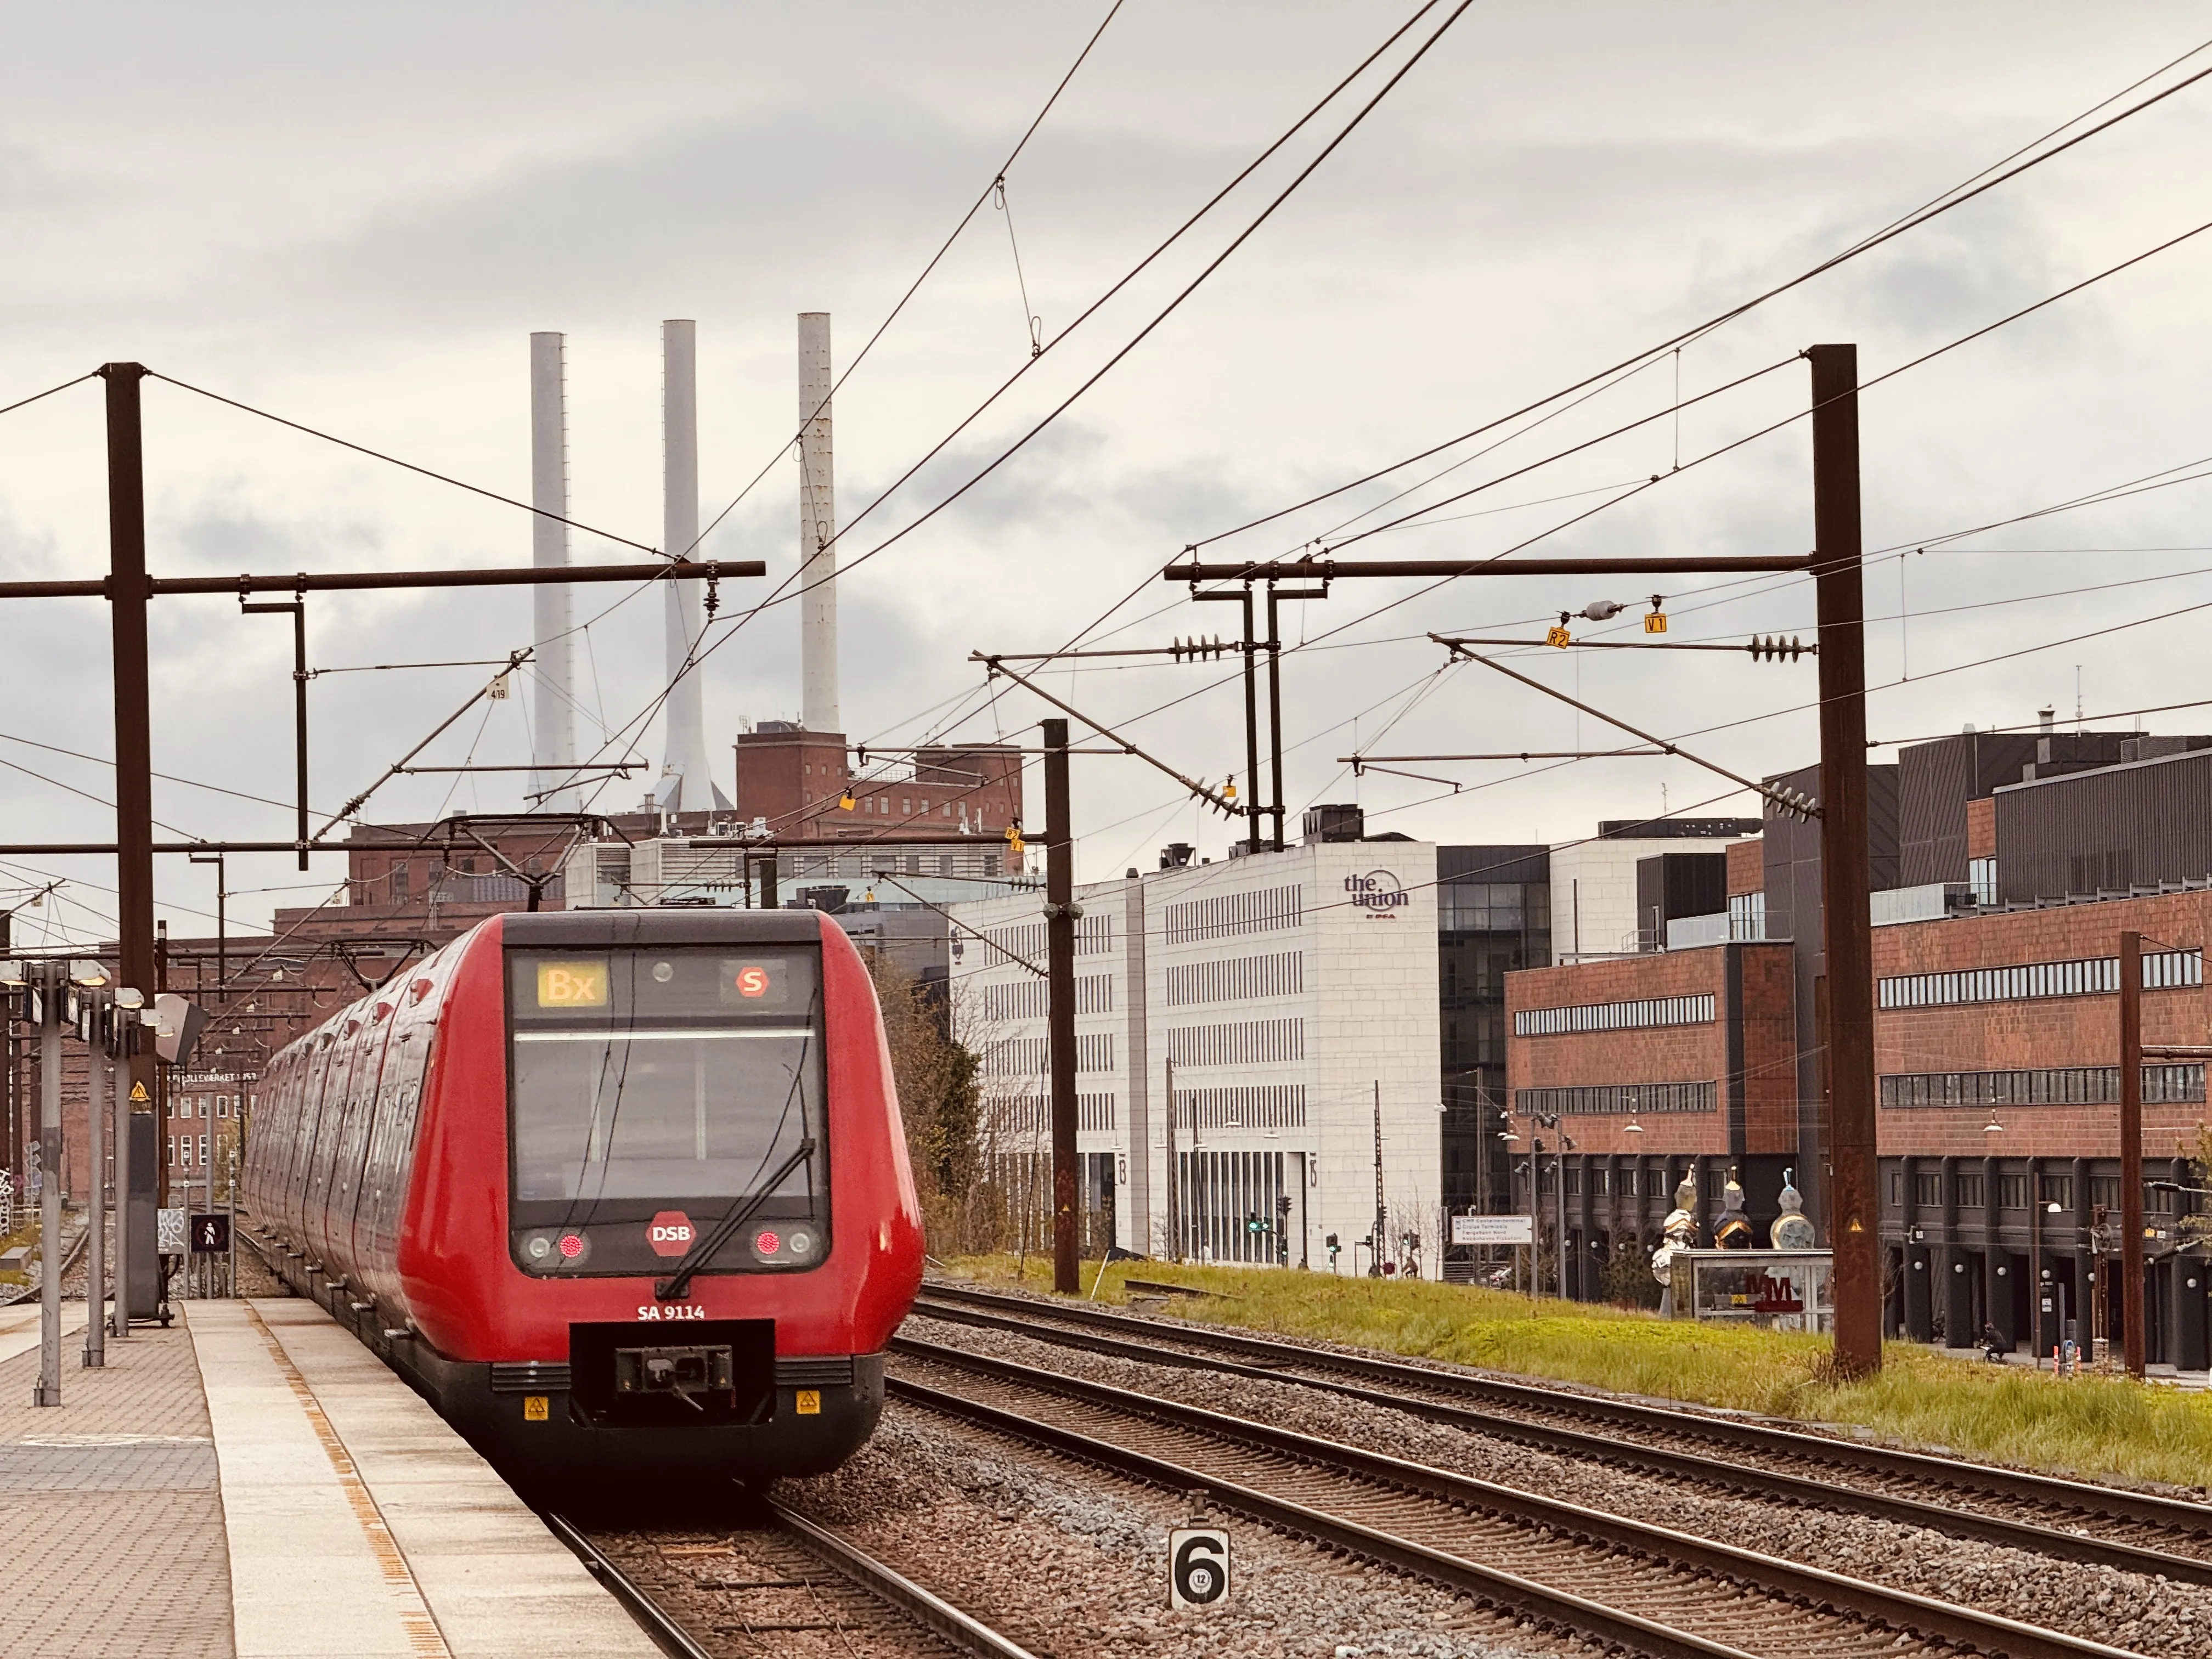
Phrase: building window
(1574, 1181)
(172, 1151)
(1236, 979)
(2067, 1085)
(1969, 1194)
(1246, 1042)
(1896, 1190)
(2164, 971)
(2105, 1192)
(2012, 1192)
(399, 884)
(2055, 1189)
(1927, 1189)
(1618, 1099)
(1982, 876)
(1614, 1015)
(1748, 917)
(1262, 911)
(203, 1157)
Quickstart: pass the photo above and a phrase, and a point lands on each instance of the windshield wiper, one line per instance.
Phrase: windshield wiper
(672, 1287)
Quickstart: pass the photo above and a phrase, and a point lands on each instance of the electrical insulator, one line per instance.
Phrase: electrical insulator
(1773, 648)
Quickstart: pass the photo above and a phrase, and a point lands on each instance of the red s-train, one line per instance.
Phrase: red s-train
(624, 1193)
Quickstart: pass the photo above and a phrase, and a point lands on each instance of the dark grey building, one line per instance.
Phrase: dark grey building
(1493, 916)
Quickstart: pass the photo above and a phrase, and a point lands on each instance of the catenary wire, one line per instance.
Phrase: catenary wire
(740, 618)
(1941, 204)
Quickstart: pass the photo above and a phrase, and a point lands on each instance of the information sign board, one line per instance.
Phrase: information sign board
(1786, 1289)
(1493, 1230)
(211, 1234)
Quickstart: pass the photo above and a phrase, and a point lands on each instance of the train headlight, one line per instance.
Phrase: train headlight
(540, 1250)
(799, 1242)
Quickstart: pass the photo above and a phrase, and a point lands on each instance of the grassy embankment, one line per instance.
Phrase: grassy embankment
(2090, 1426)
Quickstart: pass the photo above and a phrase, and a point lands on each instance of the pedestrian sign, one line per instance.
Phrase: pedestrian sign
(211, 1235)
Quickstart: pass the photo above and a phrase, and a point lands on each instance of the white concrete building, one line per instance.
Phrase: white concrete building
(1290, 995)
(1594, 906)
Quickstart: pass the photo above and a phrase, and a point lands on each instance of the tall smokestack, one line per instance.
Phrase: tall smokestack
(818, 525)
(686, 756)
(553, 725)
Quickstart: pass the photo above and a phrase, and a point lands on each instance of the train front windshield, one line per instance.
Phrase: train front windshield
(653, 1093)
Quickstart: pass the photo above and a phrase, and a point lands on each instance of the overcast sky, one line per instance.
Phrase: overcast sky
(356, 218)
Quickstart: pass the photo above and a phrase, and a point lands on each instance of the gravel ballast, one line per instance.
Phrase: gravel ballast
(1072, 1561)
(2126, 1610)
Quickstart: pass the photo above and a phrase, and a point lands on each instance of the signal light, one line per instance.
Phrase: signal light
(572, 1245)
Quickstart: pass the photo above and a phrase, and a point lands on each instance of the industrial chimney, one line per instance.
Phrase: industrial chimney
(686, 782)
(553, 734)
(818, 528)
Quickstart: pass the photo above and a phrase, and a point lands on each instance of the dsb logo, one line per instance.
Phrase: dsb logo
(670, 1233)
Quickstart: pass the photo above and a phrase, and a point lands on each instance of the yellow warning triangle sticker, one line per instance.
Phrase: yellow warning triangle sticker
(138, 1092)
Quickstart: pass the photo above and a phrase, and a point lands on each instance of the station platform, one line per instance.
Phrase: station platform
(253, 1484)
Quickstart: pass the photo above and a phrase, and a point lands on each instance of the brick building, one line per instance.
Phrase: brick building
(791, 781)
(1997, 1037)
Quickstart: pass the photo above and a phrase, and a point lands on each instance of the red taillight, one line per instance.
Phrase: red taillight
(572, 1245)
(768, 1243)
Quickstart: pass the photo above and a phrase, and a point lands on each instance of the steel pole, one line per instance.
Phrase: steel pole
(119, 1088)
(299, 717)
(95, 1154)
(1559, 1206)
(1254, 795)
(2131, 1190)
(128, 590)
(1853, 1212)
(49, 1390)
(1059, 995)
(1275, 715)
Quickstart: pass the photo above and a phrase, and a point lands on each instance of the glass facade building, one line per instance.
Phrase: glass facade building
(1493, 917)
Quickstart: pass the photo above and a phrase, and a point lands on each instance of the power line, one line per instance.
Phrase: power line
(378, 454)
(25, 403)
(1919, 217)
(738, 619)
(915, 287)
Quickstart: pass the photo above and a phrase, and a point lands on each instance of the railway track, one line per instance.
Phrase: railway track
(2065, 1520)
(1644, 1588)
(785, 1586)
